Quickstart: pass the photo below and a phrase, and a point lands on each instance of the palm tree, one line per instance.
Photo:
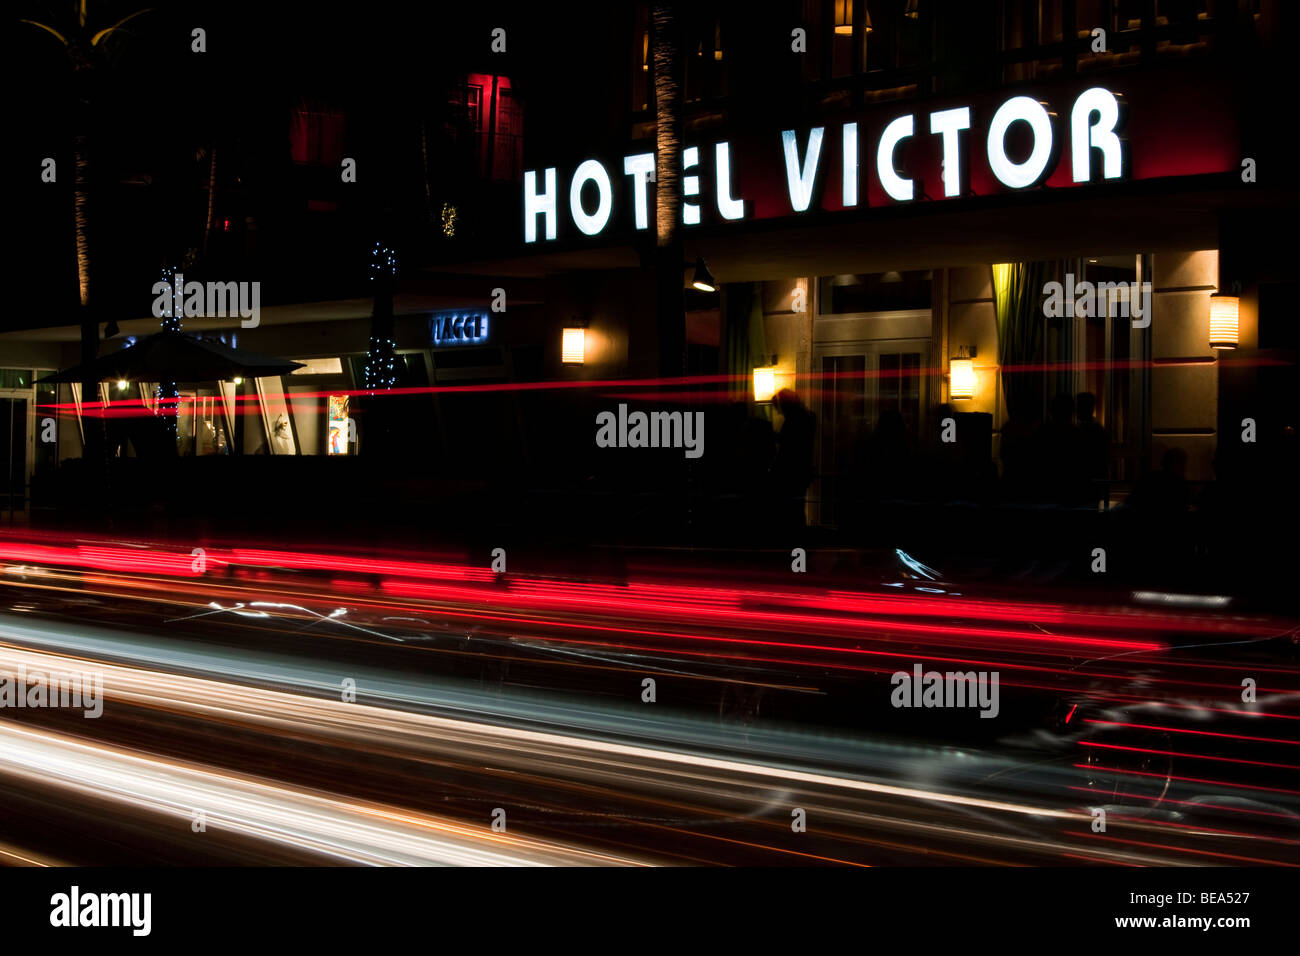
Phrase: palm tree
(669, 131)
(89, 51)
(210, 154)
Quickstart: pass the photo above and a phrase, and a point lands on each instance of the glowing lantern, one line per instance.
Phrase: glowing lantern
(1224, 311)
(961, 377)
(573, 346)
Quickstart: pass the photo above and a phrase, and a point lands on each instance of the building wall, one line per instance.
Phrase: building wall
(972, 321)
(1184, 379)
(617, 308)
(788, 333)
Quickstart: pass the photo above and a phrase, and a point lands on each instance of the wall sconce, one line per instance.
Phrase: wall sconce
(121, 384)
(704, 280)
(765, 382)
(238, 380)
(1224, 320)
(844, 17)
(573, 346)
(961, 374)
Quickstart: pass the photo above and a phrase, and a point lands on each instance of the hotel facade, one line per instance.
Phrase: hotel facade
(907, 213)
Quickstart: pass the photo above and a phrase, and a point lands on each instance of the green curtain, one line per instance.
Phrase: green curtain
(744, 341)
(1017, 298)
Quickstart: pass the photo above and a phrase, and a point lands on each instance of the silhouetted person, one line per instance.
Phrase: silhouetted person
(749, 480)
(1016, 449)
(1094, 446)
(792, 468)
(1056, 451)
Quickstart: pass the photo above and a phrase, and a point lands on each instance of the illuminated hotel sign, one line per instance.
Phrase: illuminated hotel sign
(458, 328)
(946, 153)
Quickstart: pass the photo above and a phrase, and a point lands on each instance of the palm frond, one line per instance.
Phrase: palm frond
(62, 39)
(94, 41)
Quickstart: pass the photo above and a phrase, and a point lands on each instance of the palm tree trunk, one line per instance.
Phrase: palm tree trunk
(79, 199)
(93, 424)
(424, 166)
(212, 196)
(669, 129)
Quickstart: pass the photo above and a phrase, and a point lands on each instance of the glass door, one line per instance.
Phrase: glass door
(14, 440)
(872, 401)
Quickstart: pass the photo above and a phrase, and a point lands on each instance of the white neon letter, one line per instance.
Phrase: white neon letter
(800, 178)
(690, 186)
(850, 191)
(896, 187)
(949, 123)
(1100, 135)
(640, 166)
(534, 204)
(728, 208)
(1019, 175)
(594, 171)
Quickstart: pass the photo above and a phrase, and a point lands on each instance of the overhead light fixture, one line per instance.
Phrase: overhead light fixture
(1224, 321)
(844, 17)
(704, 280)
(573, 346)
(961, 374)
(912, 10)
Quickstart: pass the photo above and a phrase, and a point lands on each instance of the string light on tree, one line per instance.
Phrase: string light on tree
(167, 393)
(383, 262)
(381, 354)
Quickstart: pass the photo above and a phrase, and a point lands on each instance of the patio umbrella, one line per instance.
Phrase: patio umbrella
(174, 357)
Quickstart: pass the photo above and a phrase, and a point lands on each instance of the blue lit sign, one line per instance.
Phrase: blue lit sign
(458, 328)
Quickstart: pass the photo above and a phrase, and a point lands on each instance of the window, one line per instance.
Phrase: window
(486, 119)
(900, 387)
(844, 33)
(702, 53)
(640, 62)
(508, 154)
(316, 137)
(1027, 27)
(881, 292)
(1103, 354)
